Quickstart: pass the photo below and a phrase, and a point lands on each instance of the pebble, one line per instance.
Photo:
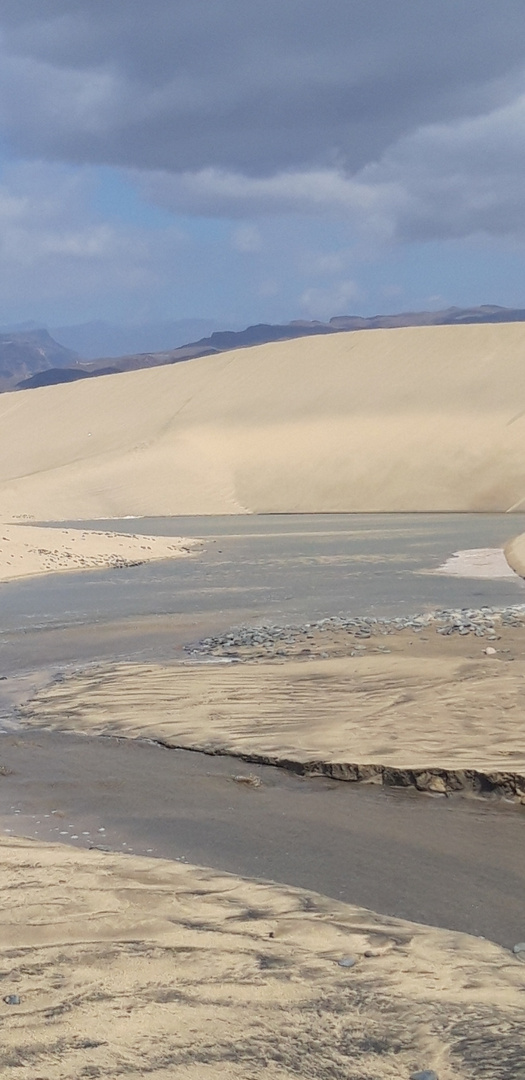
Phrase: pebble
(519, 949)
(12, 999)
(480, 622)
(346, 962)
(424, 1074)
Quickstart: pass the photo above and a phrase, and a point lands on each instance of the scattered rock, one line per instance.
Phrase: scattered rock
(424, 1074)
(250, 780)
(346, 962)
(519, 950)
(430, 782)
(481, 622)
(12, 999)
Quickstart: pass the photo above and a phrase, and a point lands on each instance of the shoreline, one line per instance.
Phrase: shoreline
(409, 702)
(385, 849)
(29, 551)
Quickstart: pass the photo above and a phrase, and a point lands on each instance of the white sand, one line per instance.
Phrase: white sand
(415, 419)
(28, 550)
(488, 563)
(139, 967)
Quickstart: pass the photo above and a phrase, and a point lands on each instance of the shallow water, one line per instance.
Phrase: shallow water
(445, 862)
(450, 863)
(276, 567)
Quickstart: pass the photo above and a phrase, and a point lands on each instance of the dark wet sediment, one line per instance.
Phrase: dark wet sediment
(443, 862)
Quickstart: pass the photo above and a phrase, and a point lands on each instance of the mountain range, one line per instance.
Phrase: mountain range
(31, 357)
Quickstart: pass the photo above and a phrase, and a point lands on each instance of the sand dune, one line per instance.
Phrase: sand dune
(420, 418)
(126, 966)
(515, 554)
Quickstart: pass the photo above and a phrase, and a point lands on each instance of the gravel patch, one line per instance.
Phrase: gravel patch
(484, 622)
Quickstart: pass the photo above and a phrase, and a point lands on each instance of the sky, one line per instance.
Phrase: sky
(248, 161)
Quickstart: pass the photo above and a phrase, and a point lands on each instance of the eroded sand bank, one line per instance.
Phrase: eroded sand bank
(29, 550)
(142, 967)
(413, 419)
(405, 700)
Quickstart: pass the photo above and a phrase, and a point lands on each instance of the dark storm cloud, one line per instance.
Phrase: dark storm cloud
(404, 115)
(244, 85)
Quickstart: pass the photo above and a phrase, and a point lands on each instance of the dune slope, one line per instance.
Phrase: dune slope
(412, 419)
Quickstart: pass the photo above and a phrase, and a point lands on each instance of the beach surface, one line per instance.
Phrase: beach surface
(413, 419)
(116, 965)
(29, 550)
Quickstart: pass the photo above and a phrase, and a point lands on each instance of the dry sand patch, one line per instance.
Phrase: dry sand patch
(139, 967)
(30, 550)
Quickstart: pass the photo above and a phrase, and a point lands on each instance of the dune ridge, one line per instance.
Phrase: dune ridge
(411, 419)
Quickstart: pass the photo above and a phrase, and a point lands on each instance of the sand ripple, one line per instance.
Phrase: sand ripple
(138, 967)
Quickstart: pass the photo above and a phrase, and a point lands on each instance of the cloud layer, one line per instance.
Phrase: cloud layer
(367, 109)
(404, 122)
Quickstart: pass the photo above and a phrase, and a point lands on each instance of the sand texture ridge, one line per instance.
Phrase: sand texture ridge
(132, 967)
(411, 419)
(29, 550)
(432, 704)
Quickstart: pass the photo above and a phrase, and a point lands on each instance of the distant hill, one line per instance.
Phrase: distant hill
(93, 339)
(35, 351)
(261, 333)
(29, 352)
(60, 375)
(452, 316)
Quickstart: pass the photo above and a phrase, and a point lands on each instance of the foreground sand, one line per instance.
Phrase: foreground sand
(413, 419)
(407, 701)
(29, 550)
(140, 967)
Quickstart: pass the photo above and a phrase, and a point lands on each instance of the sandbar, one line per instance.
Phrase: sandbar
(31, 550)
(409, 701)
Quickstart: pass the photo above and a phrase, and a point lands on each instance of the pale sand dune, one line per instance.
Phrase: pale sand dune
(515, 554)
(438, 703)
(414, 419)
(29, 550)
(140, 967)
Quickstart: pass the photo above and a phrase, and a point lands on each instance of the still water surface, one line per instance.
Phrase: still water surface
(276, 567)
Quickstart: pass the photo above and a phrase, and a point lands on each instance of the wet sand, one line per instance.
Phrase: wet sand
(403, 700)
(128, 964)
(446, 862)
